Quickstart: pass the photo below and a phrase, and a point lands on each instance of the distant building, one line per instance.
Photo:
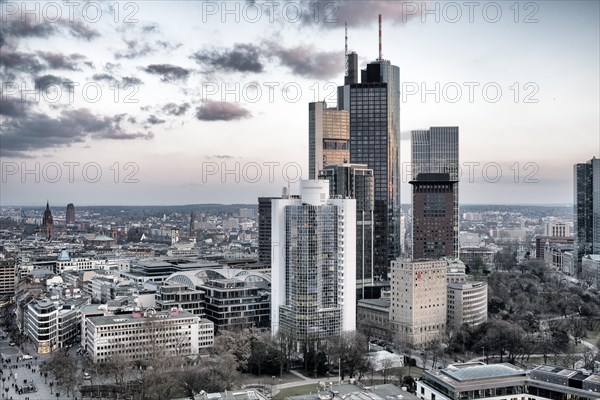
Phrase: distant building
(313, 295)
(553, 254)
(418, 312)
(48, 223)
(557, 229)
(70, 216)
(247, 213)
(542, 241)
(328, 137)
(142, 335)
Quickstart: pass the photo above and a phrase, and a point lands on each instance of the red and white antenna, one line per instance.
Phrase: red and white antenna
(380, 53)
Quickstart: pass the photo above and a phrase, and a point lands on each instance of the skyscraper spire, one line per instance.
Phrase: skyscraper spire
(380, 52)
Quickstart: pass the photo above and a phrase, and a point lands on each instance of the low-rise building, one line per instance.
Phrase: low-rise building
(373, 318)
(142, 335)
(507, 382)
(467, 304)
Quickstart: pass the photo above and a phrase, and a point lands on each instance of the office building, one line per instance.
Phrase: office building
(8, 276)
(264, 229)
(586, 180)
(467, 304)
(434, 229)
(314, 265)
(418, 310)
(70, 216)
(356, 181)
(328, 137)
(435, 151)
(557, 229)
(142, 335)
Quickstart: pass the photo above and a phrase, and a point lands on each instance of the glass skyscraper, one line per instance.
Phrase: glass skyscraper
(374, 106)
(313, 273)
(355, 181)
(328, 137)
(435, 151)
(586, 185)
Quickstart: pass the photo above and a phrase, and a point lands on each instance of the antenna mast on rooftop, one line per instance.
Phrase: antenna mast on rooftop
(346, 67)
(380, 53)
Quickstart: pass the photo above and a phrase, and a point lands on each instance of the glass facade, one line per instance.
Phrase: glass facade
(584, 210)
(435, 151)
(355, 181)
(374, 140)
(328, 136)
(311, 308)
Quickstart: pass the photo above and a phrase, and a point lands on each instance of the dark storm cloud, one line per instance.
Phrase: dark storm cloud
(22, 62)
(103, 77)
(13, 107)
(221, 111)
(40, 132)
(243, 57)
(44, 81)
(132, 81)
(61, 61)
(153, 120)
(81, 30)
(15, 27)
(176, 110)
(307, 61)
(168, 72)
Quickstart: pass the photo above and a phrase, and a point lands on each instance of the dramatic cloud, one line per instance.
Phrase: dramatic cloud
(44, 81)
(39, 131)
(153, 120)
(13, 107)
(21, 62)
(244, 57)
(306, 61)
(79, 30)
(333, 14)
(16, 27)
(168, 72)
(221, 111)
(61, 61)
(176, 110)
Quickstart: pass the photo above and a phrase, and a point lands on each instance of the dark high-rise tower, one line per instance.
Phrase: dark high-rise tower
(355, 181)
(70, 219)
(191, 227)
(433, 216)
(264, 229)
(48, 222)
(586, 185)
(435, 151)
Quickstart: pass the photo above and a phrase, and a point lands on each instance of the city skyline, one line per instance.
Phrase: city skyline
(196, 141)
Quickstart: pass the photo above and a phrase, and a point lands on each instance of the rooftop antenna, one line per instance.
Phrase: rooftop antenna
(346, 66)
(380, 55)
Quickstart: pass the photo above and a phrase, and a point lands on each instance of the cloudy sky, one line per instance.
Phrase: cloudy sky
(156, 102)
